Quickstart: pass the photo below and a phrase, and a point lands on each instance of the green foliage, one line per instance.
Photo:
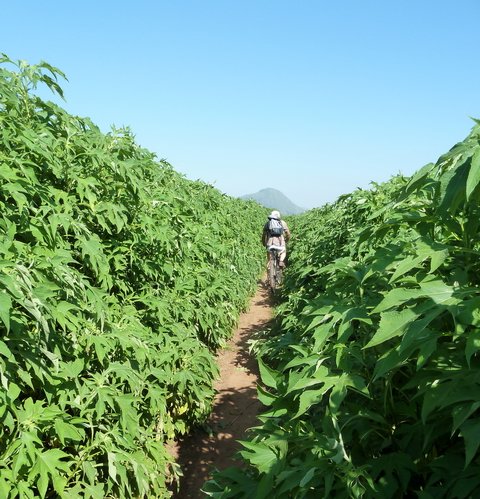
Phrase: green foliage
(372, 376)
(118, 281)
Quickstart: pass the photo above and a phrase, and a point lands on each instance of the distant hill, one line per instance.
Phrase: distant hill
(271, 198)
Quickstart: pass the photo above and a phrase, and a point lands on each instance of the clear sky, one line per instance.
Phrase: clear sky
(314, 98)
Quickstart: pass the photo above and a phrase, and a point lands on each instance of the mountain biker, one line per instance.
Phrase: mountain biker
(270, 239)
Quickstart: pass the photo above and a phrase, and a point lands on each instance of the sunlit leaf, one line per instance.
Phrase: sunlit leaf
(474, 174)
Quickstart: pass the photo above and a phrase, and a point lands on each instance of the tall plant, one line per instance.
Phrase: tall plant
(118, 281)
(372, 382)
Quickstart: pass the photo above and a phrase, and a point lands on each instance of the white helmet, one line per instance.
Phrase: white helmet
(275, 214)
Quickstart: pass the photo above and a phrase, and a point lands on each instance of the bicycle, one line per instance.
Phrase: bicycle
(274, 269)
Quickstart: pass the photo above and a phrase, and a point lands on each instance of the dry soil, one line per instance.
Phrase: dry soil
(235, 408)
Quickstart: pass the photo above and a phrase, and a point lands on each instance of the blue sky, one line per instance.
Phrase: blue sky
(314, 98)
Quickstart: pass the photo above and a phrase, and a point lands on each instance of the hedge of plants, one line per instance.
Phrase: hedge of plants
(119, 279)
(371, 376)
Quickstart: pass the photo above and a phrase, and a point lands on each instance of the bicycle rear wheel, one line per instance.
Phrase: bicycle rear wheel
(279, 274)
(272, 272)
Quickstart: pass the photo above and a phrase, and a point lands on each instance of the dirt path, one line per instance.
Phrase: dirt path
(236, 405)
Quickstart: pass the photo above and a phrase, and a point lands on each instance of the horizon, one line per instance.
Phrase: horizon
(314, 98)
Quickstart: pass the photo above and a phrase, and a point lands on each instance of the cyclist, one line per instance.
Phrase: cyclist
(276, 237)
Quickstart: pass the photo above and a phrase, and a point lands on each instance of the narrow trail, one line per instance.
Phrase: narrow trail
(235, 407)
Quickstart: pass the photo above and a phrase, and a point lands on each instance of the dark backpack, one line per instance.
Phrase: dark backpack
(275, 227)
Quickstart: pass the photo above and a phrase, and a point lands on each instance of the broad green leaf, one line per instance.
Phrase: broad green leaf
(308, 398)
(392, 324)
(437, 291)
(307, 477)
(5, 488)
(433, 250)
(453, 186)
(346, 327)
(63, 315)
(397, 297)
(20, 460)
(474, 174)
(90, 471)
(311, 360)
(5, 351)
(25, 490)
(5, 308)
(339, 390)
(406, 265)
(269, 376)
(112, 468)
(317, 320)
(67, 431)
(264, 486)
(470, 432)
(13, 391)
(427, 349)
(71, 370)
(265, 397)
(388, 361)
(438, 258)
(473, 344)
(461, 412)
(25, 377)
(12, 285)
(420, 176)
(260, 455)
(417, 332)
(47, 465)
(448, 393)
(321, 335)
(306, 381)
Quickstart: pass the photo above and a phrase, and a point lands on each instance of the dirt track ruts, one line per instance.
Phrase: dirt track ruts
(235, 407)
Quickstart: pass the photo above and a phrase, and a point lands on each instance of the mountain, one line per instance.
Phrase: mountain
(271, 198)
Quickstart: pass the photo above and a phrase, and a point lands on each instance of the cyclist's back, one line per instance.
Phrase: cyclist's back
(276, 233)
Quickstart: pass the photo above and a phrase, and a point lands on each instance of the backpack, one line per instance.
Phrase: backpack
(275, 227)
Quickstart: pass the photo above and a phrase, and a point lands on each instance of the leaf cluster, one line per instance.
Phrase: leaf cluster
(119, 280)
(372, 377)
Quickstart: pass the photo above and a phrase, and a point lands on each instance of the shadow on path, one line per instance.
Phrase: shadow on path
(236, 406)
